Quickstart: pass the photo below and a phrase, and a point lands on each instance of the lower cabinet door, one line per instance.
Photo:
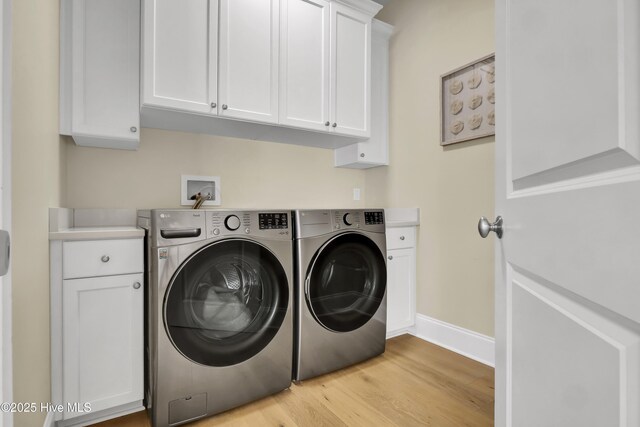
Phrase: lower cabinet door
(102, 343)
(401, 266)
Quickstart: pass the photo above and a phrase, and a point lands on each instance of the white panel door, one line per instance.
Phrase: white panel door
(106, 75)
(180, 51)
(350, 71)
(248, 61)
(568, 187)
(304, 64)
(102, 341)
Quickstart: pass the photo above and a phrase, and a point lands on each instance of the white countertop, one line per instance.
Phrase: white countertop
(97, 233)
(402, 217)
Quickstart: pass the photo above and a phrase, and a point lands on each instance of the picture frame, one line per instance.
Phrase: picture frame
(467, 101)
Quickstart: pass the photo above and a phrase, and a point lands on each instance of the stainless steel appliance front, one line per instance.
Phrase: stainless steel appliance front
(219, 316)
(340, 289)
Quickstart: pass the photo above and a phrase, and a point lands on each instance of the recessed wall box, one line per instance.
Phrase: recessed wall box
(208, 186)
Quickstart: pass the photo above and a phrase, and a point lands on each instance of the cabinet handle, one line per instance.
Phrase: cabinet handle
(334, 125)
(133, 129)
(390, 257)
(136, 285)
(361, 154)
(105, 258)
(224, 106)
(401, 237)
(327, 123)
(214, 105)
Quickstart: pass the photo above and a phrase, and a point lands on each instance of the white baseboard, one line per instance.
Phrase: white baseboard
(410, 330)
(49, 420)
(462, 341)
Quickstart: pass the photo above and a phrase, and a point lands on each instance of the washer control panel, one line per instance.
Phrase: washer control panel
(273, 221)
(180, 226)
(275, 224)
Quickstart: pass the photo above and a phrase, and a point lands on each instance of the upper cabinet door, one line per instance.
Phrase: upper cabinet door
(304, 64)
(350, 71)
(99, 69)
(248, 59)
(180, 41)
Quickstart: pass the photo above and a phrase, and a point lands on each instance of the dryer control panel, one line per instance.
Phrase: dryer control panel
(316, 222)
(373, 218)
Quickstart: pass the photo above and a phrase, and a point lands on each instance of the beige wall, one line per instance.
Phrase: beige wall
(253, 174)
(453, 186)
(37, 165)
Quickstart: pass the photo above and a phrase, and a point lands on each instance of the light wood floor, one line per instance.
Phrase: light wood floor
(414, 383)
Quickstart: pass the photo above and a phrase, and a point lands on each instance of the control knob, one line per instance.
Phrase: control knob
(232, 222)
(347, 219)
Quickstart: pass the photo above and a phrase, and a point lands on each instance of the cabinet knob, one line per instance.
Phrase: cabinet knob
(327, 123)
(390, 257)
(361, 154)
(401, 237)
(214, 105)
(105, 258)
(224, 106)
(133, 129)
(136, 285)
(334, 125)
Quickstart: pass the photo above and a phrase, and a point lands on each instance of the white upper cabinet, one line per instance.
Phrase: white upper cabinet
(99, 72)
(325, 74)
(350, 70)
(374, 151)
(304, 64)
(301, 65)
(180, 54)
(248, 59)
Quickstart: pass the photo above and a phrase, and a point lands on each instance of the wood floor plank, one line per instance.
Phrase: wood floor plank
(454, 387)
(414, 383)
(349, 407)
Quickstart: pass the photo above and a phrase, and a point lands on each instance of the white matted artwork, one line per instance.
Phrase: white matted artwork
(208, 186)
(468, 99)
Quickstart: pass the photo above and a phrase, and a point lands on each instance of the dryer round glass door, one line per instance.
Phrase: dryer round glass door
(226, 302)
(346, 282)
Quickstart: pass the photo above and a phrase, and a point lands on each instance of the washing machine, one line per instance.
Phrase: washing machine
(219, 317)
(341, 279)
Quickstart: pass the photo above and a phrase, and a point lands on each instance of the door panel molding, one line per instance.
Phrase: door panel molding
(587, 105)
(535, 301)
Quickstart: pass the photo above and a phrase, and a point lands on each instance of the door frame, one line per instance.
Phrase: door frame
(6, 356)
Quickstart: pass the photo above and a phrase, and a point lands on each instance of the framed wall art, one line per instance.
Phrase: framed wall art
(468, 98)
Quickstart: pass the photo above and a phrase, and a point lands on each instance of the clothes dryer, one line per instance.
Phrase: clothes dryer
(219, 317)
(341, 280)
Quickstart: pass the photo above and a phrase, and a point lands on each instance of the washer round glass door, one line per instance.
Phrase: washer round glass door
(346, 282)
(226, 302)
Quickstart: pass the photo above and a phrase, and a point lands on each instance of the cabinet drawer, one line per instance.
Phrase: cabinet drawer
(402, 237)
(90, 258)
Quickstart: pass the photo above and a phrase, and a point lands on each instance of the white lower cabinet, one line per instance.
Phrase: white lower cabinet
(401, 279)
(97, 329)
(102, 341)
